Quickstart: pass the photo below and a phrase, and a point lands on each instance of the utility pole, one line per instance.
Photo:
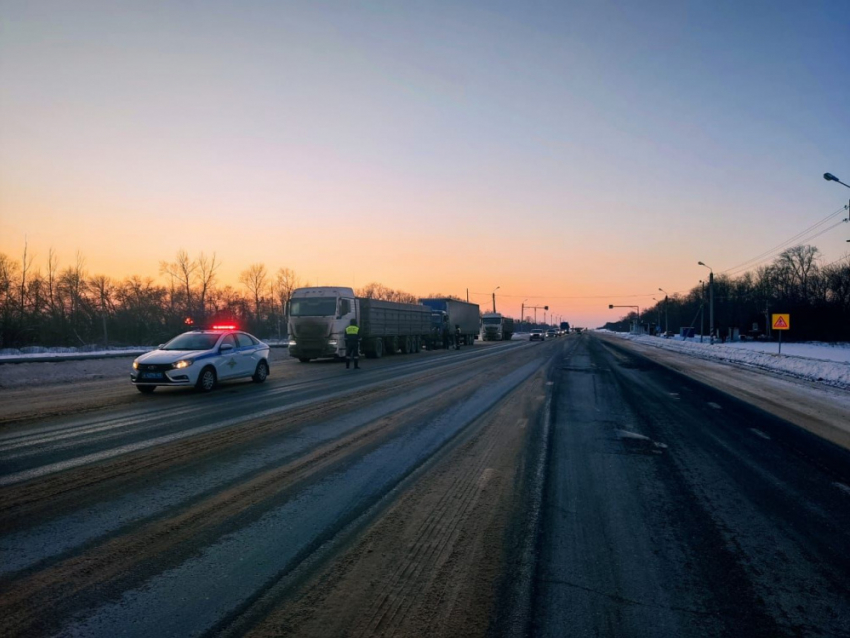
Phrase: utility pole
(710, 302)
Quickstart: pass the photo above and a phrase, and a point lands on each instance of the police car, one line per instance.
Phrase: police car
(202, 358)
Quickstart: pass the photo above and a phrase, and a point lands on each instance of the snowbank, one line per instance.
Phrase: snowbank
(826, 363)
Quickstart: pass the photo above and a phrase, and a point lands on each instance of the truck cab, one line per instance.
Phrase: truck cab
(317, 321)
(492, 326)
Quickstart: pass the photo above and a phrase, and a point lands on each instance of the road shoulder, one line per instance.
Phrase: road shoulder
(819, 409)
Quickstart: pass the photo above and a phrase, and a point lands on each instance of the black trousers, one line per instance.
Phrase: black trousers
(352, 351)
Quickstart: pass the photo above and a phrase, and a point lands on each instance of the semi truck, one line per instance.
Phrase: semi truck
(495, 327)
(318, 318)
(452, 314)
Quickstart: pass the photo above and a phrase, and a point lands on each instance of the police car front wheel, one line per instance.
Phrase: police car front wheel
(261, 372)
(206, 380)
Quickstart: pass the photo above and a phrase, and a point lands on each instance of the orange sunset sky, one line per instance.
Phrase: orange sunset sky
(573, 155)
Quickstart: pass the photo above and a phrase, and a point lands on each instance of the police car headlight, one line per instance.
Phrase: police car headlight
(135, 365)
(292, 342)
(183, 363)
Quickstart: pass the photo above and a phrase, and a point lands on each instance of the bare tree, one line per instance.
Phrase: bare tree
(26, 264)
(207, 268)
(182, 269)
(254, 279)
(285, 282)
(103, 288)
(380, 291)
(52, 269)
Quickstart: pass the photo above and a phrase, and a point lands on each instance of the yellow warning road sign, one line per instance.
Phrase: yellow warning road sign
(781, 322)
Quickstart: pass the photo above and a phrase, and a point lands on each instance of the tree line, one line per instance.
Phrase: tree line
(67, 306)
(55, 305)
(817, 296)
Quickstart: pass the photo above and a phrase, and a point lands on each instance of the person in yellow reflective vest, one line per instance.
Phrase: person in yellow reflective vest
(352, 344)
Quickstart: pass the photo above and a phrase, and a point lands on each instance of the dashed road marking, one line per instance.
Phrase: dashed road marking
(714, 405)
(523, 423)
(760, 433)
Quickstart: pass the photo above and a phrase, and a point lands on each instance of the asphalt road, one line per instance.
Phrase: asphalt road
(672, 509)
(571, 487)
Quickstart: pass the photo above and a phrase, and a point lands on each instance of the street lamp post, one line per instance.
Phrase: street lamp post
(494, 298)
(666, 314)
(710, 302)
(702, 310)
(832, 178)
(522, 312)
(658, 312)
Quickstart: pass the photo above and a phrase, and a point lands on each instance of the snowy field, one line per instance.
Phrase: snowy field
(823, 362)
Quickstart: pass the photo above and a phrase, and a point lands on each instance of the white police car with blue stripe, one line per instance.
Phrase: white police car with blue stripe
(202, 358)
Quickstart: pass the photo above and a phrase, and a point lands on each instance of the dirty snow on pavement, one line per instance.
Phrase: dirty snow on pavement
(826, 363)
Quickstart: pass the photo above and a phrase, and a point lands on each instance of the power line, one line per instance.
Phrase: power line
(735, 271)
(779, 247)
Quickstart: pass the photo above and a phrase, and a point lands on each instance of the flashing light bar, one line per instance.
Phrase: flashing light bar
(224, 327)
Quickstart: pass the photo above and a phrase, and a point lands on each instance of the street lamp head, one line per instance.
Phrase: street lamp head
(830, 177)
(610, 306)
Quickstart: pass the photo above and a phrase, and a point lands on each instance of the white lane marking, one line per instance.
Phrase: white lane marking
(626, 434)
(714, 405)
(550, 383)
(523, 423)
(760, 433)
(843, 488)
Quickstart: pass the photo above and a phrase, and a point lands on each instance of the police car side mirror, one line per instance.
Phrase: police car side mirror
(225, 347)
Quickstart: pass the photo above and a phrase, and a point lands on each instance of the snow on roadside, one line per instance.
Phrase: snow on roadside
(823, 363)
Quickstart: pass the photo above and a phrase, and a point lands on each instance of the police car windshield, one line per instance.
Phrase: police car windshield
(192, 341)
(324, 307)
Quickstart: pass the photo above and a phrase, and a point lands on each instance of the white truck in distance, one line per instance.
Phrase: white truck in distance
(495, 327)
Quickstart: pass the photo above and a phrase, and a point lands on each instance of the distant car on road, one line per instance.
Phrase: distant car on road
(551, 333)
(202, 358)
(537, 335)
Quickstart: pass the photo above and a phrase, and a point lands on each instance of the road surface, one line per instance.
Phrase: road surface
(572, 487)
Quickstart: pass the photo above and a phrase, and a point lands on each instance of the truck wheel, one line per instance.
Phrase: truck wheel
(417, 345)
(374, 348)
(405, 346)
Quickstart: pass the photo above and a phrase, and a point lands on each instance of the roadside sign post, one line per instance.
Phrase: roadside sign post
(781, 322)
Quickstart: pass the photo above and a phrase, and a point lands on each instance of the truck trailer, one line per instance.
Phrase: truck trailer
(318, 317)
(495, 327)
(453, 314)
